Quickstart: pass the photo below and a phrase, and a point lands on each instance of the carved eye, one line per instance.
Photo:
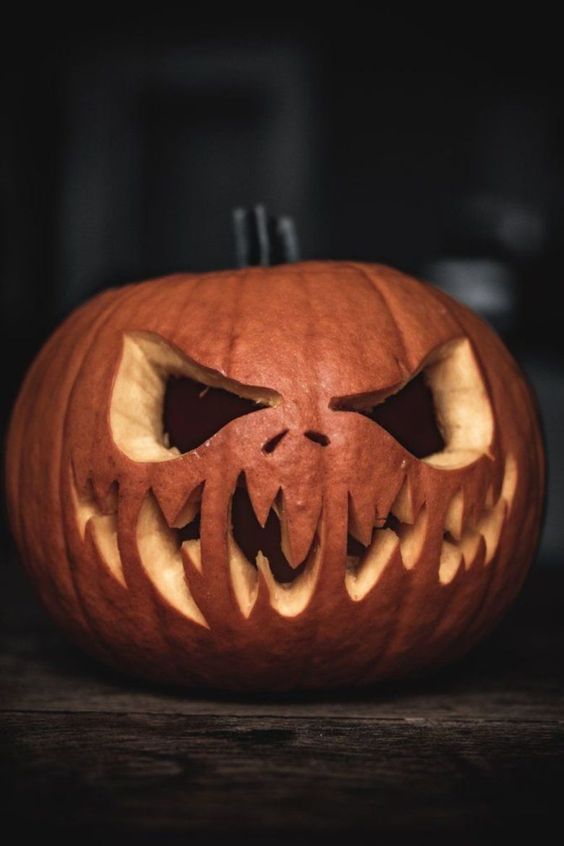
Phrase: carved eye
(194, 412)
(164, 404)
(409, 416)
(442, 415)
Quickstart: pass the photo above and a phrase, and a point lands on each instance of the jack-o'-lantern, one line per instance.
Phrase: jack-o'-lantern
(302, 476)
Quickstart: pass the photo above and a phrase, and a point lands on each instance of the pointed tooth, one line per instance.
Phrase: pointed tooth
(476, 493)
(263, 488)
(86, 494)
(360, 580)
(490, 527)
(403, 507)
(243, 578)
(192, 552)
(111, 500)
(412, 539)
(191, 507)
(81, 472)
(387, 499)
(299, 517)
(469, 545)
(289, 600)
(454, 518)
(163, 561)
(278, 508)
(361, 518)
(106, 495)
(510, 477)
(418, 500)
(450, 561)
(177, 498)
(103, 531)
(85, 508)
(172, 489)
(263, 566)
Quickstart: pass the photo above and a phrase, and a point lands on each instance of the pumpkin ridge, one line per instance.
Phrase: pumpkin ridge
(56, 597)
(309, 332)
(96, 328)
(375, 285)
(468, 321)
(312, 620)
(67, 478)
(191, 295)
(22, 421)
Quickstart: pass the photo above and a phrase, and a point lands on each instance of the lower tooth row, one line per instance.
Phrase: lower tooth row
(163, 560)
(461, 547)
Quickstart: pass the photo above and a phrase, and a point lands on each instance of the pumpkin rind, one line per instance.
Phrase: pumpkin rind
(95, 526)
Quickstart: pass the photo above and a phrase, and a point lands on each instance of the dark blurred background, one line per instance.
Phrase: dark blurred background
(435, 144)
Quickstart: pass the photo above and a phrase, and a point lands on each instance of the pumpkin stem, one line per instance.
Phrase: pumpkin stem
(262, 239)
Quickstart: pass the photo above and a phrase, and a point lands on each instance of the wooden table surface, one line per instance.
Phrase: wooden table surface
(473, 754)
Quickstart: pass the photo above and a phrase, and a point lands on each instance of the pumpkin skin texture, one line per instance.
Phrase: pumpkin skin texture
(439, 545)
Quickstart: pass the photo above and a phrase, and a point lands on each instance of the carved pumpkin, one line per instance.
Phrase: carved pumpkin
(303, 476)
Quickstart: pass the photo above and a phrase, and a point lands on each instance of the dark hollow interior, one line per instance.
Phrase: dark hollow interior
(194, 412)
(409, 416)
(356, 549)
(251, 537)
(317, 438)
(271, 445)
(191, 531)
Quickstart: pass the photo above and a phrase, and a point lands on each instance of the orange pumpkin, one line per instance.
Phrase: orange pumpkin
(303, 476)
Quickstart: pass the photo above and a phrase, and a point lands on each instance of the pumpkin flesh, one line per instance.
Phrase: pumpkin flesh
(299, 544)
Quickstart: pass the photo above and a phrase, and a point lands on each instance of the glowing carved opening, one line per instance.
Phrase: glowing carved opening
(253, 538)
(409, 416)
(366, 564)
(160, 550)
(103, 526)
(199, 401)
(253, 548)
(441, 415)
(461, 542)
(194, 412)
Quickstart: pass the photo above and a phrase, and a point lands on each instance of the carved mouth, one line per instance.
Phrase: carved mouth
(268, 540)
(258, 552)
(254, 540)
(400, 531)
(253, 551)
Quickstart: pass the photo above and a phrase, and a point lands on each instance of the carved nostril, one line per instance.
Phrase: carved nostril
(271, 445)
(317, 438)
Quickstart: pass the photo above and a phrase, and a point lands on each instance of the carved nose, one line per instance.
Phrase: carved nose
(317, 438)
(271, 445)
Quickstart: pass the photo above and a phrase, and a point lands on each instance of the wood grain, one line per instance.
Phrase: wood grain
(476, 752)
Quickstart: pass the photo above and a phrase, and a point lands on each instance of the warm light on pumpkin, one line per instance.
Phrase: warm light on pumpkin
(303, 476)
